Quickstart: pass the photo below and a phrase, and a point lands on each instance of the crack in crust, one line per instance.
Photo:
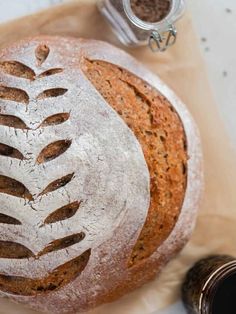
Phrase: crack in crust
(160, 132)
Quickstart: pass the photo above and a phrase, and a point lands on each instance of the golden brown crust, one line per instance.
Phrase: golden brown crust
(104, 275)
(161, 135)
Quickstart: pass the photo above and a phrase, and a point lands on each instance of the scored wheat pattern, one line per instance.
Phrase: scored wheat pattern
(71, 171)
(11, 249)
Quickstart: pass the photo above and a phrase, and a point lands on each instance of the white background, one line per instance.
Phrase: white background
(215, 24)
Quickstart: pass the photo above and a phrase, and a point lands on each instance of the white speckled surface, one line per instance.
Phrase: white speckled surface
(216, 26)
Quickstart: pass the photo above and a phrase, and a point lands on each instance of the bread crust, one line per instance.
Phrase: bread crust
(107, 274)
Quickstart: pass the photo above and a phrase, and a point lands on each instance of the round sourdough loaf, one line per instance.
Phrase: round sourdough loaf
(100, 174)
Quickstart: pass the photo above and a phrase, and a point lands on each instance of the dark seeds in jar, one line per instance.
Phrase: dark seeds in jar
(151, 10)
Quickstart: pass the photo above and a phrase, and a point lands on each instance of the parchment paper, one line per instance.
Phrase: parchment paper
(183, 69)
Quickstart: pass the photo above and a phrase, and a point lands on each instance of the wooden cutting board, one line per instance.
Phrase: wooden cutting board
(183, 69)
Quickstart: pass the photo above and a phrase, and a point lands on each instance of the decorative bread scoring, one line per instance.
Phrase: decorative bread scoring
(60, 277)
(100, 174)
(70, 179)
(65, 273)
(160, 132)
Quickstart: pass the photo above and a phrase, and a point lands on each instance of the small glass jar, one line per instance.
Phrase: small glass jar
(144, 22)
(210, 286)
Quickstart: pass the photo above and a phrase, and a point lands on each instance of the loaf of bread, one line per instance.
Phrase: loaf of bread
(100, 174)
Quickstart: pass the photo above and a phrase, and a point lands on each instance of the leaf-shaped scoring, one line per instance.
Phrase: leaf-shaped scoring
(5, 219)
(52, 92)
(12, 122)
(50, 72)
(63, 213)
(53, 151)
(57, 184)
(13, 187)
(14, 94)
(14, 250)
(63, 243)
(56, 119)
(41, 53)
(58, 278)
(9, 151)
(18, 69)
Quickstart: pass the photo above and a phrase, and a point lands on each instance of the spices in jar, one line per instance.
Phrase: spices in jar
(144, 22)
(210, 286)
(151, 10)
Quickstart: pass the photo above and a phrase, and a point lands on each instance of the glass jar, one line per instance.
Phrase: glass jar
(144, 22)
(210, 286)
